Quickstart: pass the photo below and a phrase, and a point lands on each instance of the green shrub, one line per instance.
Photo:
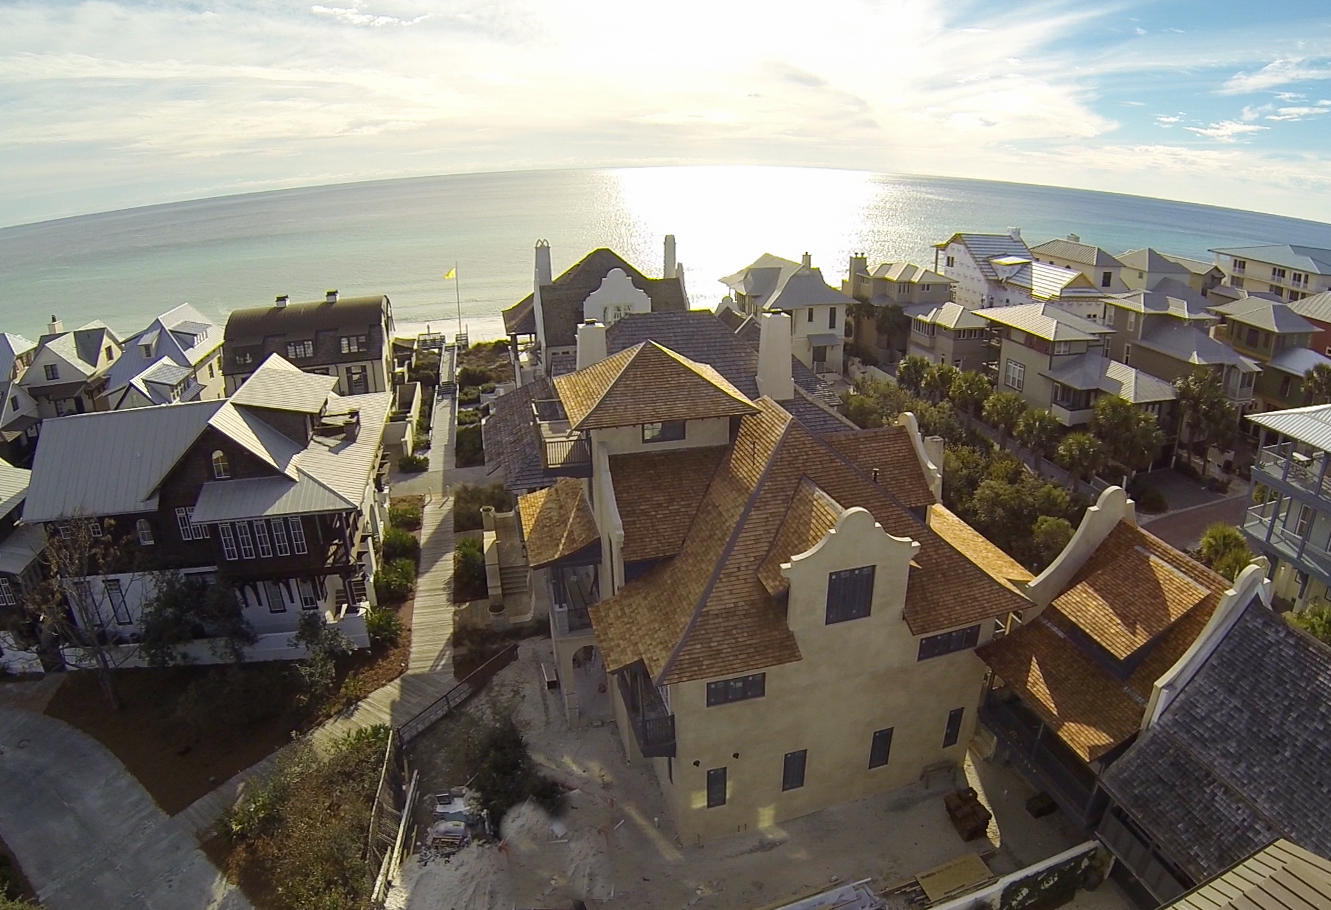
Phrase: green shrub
(1150, 499)
(405, 515)
(413, 463)
(474, 376)
(469, 582)
(470, 447)
(508, 775)
(394, 580)
(468, 417)
(487, 387)
(420, 442)
(383, 626)
(865, 356)
(468, 499)
(469, 395)
(399, 543)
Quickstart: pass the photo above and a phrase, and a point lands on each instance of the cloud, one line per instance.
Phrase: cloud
(1277, 73)
(1226, 130)
(1139, 30)
(352, 15)
(1167, 120)
(1300, 112)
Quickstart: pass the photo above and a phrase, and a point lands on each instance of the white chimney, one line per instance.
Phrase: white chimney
(281, 301)
(330, 296)
(774, 376)
(1075, 238)
(807, 261)
(669, 270)
(55, 326)
(859, 265)
(591, 343)
(1014, 233)
(543, 275)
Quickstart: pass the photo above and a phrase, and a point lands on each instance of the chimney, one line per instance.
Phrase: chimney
(1075, 238)
(543, 276)
(330, 296)
(669, 270)
(55, 326)
(807, 261)
(591, 343)
(1014, 233)
(281, 301)
(859, 265)
(774, 376)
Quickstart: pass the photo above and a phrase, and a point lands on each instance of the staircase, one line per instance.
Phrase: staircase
(513, 579)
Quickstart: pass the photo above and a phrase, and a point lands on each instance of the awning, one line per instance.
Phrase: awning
(825, 338)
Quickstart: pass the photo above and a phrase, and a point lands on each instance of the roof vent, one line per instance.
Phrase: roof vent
(330, 296)
(281, 301)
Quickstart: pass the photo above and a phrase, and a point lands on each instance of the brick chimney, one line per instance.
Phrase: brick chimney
(774, 374)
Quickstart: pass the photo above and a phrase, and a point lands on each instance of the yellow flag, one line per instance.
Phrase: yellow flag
(451, 273)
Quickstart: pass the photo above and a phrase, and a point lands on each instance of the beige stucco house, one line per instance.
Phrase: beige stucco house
(817, 310)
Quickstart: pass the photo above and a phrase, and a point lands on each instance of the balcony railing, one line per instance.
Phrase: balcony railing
(652, 722)
(570, 598)
(1283, 463)
(1288, 542)
(1071, 417)
(566, 451)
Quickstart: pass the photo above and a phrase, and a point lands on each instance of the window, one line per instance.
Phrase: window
(221, 470)
(1305, 521)
(809, 311)
(1127, 354)
(298, 350)
(66, 532)
(246, 542)
(1251, 338)
(110, 354)
(1277, 274)
(1106, 279)
(210, 371)
(1236, 282)
(244, 358)
(948, 642)
(272, 592)
(849, 594)
(951, 261)
(1240, 265)
(261, 537)
(228, 540)
(1132, 321)
(145, 530)
(953, 727)
(1014, 375)
(725, 691)
(665, 431)
(792, 771)
(7, 597)
(309, 600)
(881, 748)
(94, 527)
(354, 344)
(51, 371)
(297, 535)
(1285, 385)
(716, 787)
(280, 537)
(63, 407)
(117, 598)
(831, 317)
(1062, 347)
(182, 519)
(146, 350)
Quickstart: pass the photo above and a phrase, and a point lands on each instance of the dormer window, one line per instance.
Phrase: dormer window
(300, 350)
(665, 431)
(146, 349)
(221, 470)
(51, 371)
(110, 353)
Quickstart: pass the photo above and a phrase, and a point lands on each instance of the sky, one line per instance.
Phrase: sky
(107, 105)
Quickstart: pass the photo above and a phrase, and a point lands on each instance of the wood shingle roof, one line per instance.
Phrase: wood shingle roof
(658, 494)
(557, 522)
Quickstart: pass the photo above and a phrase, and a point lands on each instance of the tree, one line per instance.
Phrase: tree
(938, 381)
(1050, 535)
(1131, 436)
(911, 372)
(184, 608)
(323, 643)
(1225, 550)
(1205, 413)
(1038, 430)
(1004, 411)
(1316, 621)
(893, 327)
(1082, 454)
(969, 392)
(1317, 385)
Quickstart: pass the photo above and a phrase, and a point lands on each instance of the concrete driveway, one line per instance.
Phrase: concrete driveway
(87, 834)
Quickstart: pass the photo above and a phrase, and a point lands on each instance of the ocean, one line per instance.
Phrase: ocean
(400, 237)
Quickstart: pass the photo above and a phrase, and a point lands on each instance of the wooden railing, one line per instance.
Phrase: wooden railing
(566, 451)
(470, 685)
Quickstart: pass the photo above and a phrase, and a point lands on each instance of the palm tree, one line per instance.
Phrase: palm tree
(1225, 549)
(1038, 429)
(1317, 385)
(938, 381)
(911, 372)
(969, 391)
(1005, 411)
(1202, 407)
(1082, 454)
(1131, 436)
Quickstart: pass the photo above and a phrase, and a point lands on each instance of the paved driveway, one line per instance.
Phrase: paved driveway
(87, 834)
(1184, 528)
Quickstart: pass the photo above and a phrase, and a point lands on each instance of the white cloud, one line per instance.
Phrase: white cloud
(1167, 120)
(353, 15)
(1139, 30)
(1226, 130)
(1277, 73)
(1301, 112)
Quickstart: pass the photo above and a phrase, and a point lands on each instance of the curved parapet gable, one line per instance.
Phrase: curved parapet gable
(1112, 507)
(931, 464)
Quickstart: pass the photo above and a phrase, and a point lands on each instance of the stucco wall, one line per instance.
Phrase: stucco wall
(711, 431)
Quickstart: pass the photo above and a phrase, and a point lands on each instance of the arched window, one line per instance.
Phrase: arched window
(145, 532)
(220, 469)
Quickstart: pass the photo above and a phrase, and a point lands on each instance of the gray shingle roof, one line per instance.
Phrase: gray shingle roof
(1242, 755)
(1153, 262)
(1075, 251)
(1305, 258)
(1192, 345)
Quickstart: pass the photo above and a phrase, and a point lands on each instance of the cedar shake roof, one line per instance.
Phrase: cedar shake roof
(978, 548)
(1092, 700)
(890, 451)
(811, 515)
(706, 612)
(562, 300)
(658, 494)
(1243, 753)
(557, 522)
(647, 383)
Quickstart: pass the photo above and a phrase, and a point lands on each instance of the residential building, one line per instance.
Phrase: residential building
(1113, 615)
(1290, 519)
(817, 310)
(1057, 361)
(1166, 333)
(899, 287)
(350, 338)
(968, 259)
(1095, 264)
(950, 333)
(778, 622)
(1144, 269)
(178, 357)
(1269, 332)
(20, 571)
(1263, 881)
(67, 374)
(1316, 308)
(1284, 270)
(1232, 754)
(16, 352)
(275, 491)
(19, 422)
(601, 286)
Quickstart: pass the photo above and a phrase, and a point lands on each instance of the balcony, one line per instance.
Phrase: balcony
(1071, 417)
(563, 450)
(653, 724)
(1268, 533)
(572, 591)
(1282, 464)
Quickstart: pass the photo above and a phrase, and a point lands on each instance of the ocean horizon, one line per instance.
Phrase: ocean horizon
(400, 236)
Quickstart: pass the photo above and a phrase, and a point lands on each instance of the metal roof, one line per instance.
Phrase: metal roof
(13, 485)
(1311, 424)
(1314, 306)
(1047, 321)
(1092, 371)
(281, 386)
(1305, 258)
(952, 316)
(825, 338)
(1076, 251)
(1167, 298)
(21, 547)
(985, 247)
(1280, 876)
(1297, 361)
(910, 273)
(805, 287)
(1187, 342)
(260, 497)
(1266, 314)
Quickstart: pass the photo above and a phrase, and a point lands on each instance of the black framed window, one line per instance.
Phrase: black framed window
(716, 787)
(849, 594)
(724, 691)
(880, 750)
(953, 727)
(948, 642)
(792, 771)
(665, 431)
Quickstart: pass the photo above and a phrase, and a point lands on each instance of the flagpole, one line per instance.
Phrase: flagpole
(457, 289)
